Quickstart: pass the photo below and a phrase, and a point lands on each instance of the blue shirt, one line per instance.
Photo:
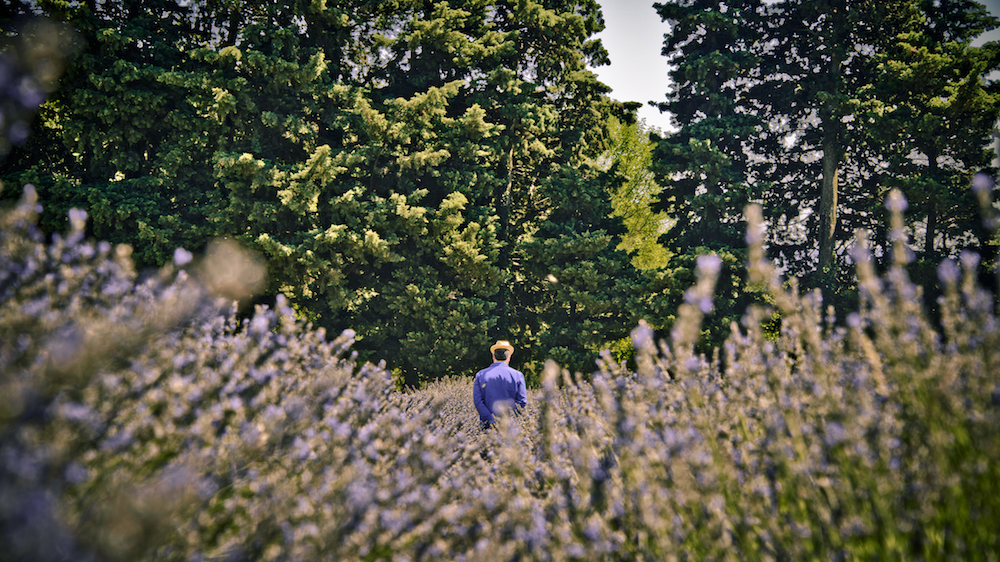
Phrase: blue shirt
(498, 384)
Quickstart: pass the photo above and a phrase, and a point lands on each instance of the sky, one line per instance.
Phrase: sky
(633, 36)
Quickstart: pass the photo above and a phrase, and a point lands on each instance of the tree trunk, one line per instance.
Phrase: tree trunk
(832, 155)
(828, 200)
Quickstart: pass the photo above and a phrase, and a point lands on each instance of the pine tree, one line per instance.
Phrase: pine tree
(412, 221)
(577, 291)
(942, 113)
(704, 167)
(121, 137)
(631, 157)
(807, 120)
(394, 162)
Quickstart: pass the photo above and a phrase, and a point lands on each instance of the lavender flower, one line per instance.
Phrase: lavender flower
(262, 438)
(948, 271)
(896, 202)
(708, 265)
(182, 257)
(982, 183)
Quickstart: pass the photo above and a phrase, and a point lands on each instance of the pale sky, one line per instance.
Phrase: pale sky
(633, 36)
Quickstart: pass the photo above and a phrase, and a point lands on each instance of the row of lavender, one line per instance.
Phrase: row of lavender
(140, 420)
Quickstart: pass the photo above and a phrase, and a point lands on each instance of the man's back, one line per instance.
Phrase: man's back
(495, 385)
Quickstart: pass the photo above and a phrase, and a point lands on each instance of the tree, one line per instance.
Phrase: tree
(941, 114)
(393, 162)
(807, 112)
(818, 87)
(371, 208)
(122, 135)
(631, 156)
(704, 167)
(577, 291)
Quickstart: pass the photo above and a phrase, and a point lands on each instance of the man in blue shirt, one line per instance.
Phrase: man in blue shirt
(498, 387)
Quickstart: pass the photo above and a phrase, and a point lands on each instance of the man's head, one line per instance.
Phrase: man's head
(502, 350)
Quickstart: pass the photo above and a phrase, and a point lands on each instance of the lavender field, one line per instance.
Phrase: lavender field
(140, 420)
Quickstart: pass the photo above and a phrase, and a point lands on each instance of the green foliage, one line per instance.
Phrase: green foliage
(817, 110)
(703, 168)
(939, 111)
(389, 160)
(670, 289)
(631, 156)
(577, 286)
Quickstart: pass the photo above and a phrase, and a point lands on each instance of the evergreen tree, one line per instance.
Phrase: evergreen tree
(122, 137)
(369, 208)
(631, 156)
(704, 167)
(577, 291)
(818, 95)
(808, 97)
(943, 112)
(394, 162)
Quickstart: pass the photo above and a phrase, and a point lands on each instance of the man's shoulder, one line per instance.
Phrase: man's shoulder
(499, 367)
(514, 371)
(485, 371)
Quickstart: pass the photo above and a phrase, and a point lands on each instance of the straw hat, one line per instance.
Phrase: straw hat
(501, 344)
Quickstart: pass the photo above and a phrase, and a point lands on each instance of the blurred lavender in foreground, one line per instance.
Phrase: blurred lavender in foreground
(142, 420)
(32, 57)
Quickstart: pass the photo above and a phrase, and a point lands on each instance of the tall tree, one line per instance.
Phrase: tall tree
(942, 113)
(819, 85)
(817, 91)
(395, 162)
(576, 291)
(631, 157)
(367, 189)
(704, 167)
(121, 136)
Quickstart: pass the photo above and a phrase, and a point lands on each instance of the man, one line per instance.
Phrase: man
(498, 387)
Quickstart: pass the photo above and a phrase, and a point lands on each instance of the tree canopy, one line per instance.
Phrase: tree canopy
(415, 171)
(816, 110)
(438, 175)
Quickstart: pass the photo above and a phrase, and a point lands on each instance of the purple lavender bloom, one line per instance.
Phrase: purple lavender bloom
(970, 260)
(182, 257)
(76, 473)
(982, 182)
(755, 235)
(18, 133)
(709, 264)
(896, 202)
(854, 320)
(642, 336)
(693, 363)
(948, 271)
(77, 219)
(29, 93)
(260, 325)
(65, 345)
(835, 433)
